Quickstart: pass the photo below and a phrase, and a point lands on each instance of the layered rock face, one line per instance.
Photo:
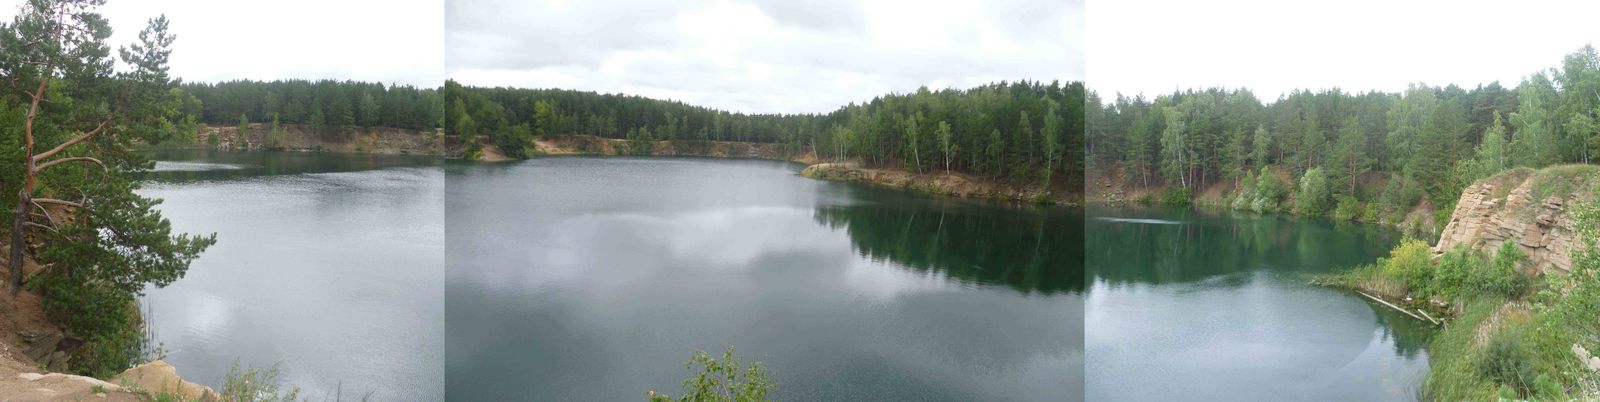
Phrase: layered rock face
(1542, 228)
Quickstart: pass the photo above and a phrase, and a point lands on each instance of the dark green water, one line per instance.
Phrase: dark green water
(588, 279)
(332, 265)
(1200, 306)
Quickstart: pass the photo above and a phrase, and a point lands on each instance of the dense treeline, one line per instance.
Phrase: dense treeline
(1022, 132)
(1427, 142)
(324, 104)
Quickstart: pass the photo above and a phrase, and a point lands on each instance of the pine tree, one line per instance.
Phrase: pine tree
(112, 243)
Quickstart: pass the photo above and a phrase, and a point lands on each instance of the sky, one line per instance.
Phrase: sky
(762, 56)
(389, 41)
(1272, 46)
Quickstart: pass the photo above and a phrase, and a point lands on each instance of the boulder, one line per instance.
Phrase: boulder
(158, 376)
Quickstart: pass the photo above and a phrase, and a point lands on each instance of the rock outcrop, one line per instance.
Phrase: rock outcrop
(160, 377)
(1489, 214)
(150, 381)
(377, 140)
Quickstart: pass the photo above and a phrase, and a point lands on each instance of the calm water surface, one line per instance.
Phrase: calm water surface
(1198, 306)
(332, 265)
(587, 279)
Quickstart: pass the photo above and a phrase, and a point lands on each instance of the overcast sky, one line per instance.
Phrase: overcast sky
(767, 56)
(364, 40)
(1273, 46)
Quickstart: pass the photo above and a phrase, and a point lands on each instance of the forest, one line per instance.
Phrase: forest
(1370, 155)
(323, 104)
(1020, 132)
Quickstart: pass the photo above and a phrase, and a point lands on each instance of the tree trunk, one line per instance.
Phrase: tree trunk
(18, 239)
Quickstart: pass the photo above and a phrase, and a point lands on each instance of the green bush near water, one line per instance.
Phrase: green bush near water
(1260, 192)
(721, 380)
(1511, 336)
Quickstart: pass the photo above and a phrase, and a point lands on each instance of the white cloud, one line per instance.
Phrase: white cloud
(762, 55)
(1272, 47)
(365, 40)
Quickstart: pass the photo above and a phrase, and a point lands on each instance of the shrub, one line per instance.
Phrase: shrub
(1349, 209)
(1505, 360)
(1259, 192)
(1400, 194)
(1175, 196)
(1412, 262)
(1313, 196)
(255, 385)
(721, 380)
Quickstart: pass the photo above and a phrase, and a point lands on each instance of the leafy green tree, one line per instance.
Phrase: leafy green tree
(996, 153)
(546, 118)
(103, 244)
(244, 130)
(1350, 156)
(1313, 196)
(946, 143)
(1536, 142)
(1173, 138)
(318, 122)
(1492, 150)
(1261, 146)
(368, 107)
(912, 136)
(276, 135)
(1052, 128)
(721, 380)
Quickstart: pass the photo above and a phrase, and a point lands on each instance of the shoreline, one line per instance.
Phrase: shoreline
(945, 183)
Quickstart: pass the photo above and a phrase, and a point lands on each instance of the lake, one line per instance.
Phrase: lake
(1206, 306)
(596, 279)
(330, 265)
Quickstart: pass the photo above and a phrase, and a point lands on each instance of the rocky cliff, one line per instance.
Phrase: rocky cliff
(377, 140)
(1526, 207)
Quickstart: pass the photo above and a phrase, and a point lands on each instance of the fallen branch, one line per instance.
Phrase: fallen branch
(1430, 318)
(1396, 308)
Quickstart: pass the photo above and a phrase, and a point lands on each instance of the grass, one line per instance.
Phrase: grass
(1507, 336)
(1452, 375)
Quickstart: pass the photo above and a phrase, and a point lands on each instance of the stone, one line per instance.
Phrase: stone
(58, 362)
(158, 376)
(41, 344)
(1542, 228)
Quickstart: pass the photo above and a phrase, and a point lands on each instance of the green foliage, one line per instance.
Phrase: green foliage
(1412, 262)
(255, 385)
(1399, 195)
(1260, 193)
(1463, 273)
(107, 244)
(1313, 196)
(1439, 139)
(1175, 196)
(722, 380)
(1502, 343)
(244, 129)
(546, 118)
(324, 102)
(1454, 361)
(640, 141)
(1010, 131)
(514, 140)
(1505, 360)
(1348, 209)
